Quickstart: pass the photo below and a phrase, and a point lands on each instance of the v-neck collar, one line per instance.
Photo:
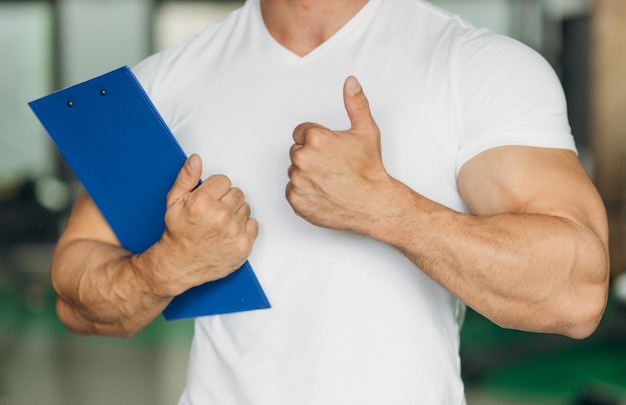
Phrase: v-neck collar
(360, 19)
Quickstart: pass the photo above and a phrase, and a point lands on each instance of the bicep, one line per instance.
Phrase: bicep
(87, 223)
(86, 228)
(532, 180)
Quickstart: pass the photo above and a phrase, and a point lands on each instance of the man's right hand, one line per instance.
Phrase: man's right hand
(106, 290)
(208, 231)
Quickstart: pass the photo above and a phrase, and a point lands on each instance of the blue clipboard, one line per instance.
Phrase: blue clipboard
(120, 149)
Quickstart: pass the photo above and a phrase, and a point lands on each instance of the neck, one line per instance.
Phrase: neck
(303, 25)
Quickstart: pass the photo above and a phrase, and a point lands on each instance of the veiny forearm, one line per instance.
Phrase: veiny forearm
(102, 290)
(531, 272)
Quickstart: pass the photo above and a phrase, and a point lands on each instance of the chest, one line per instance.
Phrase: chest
(240, 120)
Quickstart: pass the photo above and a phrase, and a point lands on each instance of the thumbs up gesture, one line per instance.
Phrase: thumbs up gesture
(336, 176)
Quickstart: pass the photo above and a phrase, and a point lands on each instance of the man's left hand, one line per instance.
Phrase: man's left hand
(336, 176)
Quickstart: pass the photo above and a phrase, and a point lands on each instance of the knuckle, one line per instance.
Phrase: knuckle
(289, 190)
(306, 132)
(303, 127)
(219, 181)
(253, 228)
(304, 158)
(298, 181)
(297, 160)
(199, 205)
(294, 199)
(315, 137)
(246, 210)
(237, 194)
(293, 150)
(221, 217)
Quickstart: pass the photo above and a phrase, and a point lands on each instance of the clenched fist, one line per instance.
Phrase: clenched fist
(208, 230)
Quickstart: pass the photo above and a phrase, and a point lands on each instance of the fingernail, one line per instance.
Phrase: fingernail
(191, 162)
(353, 85)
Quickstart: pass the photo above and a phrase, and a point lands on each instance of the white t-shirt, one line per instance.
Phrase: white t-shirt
(352, 320)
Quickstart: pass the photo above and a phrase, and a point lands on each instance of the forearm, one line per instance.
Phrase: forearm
(102, 289)
(531, 272)
(534, 255)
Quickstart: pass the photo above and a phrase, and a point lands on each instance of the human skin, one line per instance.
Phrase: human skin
(104, 289)
(531, 255)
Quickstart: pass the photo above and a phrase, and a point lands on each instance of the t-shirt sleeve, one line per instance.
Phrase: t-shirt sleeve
(146, 71)
(150, 74)
(506, 94)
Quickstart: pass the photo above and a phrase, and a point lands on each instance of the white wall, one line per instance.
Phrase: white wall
(98, 36)
(25, 74)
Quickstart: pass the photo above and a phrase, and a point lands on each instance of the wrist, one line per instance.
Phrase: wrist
(389, 211)
(147, 268)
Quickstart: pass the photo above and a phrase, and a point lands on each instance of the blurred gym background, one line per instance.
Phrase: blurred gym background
(49, 44)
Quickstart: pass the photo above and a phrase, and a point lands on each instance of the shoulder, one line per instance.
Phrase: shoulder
(450, 32)
(506, 93)
(481, 50)
(172, 77)
(182, 61)
(504, 74)
(422, 21)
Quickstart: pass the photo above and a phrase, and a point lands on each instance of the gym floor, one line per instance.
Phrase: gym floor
(42, 363)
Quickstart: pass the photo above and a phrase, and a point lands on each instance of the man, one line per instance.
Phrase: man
(456, 183)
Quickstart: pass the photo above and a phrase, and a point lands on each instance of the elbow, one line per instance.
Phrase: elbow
(585, 317)
(581, 330)
(583, 304)
(72, 321)
(80, 326)
(576, 319)
(584, 328)
(585, 310)
(576, 313)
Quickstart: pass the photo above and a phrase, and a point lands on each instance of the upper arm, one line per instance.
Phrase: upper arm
(532, 180)
(86, 222)
(85, 274)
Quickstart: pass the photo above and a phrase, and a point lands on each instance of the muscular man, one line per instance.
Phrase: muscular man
(431, 167)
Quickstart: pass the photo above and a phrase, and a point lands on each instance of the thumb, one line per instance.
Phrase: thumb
(187, 179)
(357, 105)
